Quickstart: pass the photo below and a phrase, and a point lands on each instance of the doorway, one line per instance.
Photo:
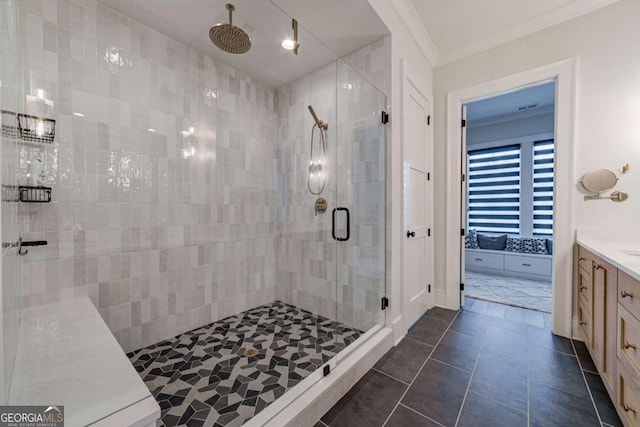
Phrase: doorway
(563, 321)
(508, 146)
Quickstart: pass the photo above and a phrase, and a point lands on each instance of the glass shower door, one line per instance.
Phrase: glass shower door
(361, 198)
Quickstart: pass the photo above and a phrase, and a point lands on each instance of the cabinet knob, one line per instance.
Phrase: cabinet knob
(582, 323)
(628, 408)
(583, 288)
(625, 294)
(628, 345)
(582, 259)
(598, 267)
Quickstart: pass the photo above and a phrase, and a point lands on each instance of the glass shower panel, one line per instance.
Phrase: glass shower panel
(307, 252)
(361, 166)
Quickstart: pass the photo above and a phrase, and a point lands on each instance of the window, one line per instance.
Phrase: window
(494, 189)
(543, 187)
(510, 188)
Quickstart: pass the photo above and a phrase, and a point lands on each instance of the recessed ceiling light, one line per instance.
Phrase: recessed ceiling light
(78, 114)
(288, 44)
(151, 130)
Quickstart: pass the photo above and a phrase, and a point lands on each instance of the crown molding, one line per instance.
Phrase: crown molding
(545, 20)
(409, 17)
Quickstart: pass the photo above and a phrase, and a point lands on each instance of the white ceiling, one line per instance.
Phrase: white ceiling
(530, 100)
(343, 27)
(450, 30)
(459, 28)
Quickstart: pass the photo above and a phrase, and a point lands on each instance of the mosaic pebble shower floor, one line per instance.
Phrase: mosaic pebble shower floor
(203, 377)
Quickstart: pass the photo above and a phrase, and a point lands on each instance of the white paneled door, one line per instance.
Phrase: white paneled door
(418, 255)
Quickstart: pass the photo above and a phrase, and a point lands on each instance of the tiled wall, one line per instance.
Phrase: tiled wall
(165, 231)
(11, 285)
(160, 240)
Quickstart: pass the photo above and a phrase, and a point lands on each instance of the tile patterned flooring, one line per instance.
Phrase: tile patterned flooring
(204, 377)
(472, 369)
(525, 293)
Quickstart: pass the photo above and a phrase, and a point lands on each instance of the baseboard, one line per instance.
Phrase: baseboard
(398, 330)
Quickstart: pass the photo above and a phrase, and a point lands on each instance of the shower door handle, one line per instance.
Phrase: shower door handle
(333, 225)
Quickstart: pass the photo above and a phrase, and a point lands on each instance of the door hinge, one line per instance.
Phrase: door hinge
(326, 369)
(428, 176)
(462, 286)
(429, 287)
(385, 302)
(463, 177)
(464, 123)
(385, 117)
(428, 120)
(462, 231)
(428, 232)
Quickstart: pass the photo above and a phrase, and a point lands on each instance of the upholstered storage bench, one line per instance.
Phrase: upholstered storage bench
(506, 263)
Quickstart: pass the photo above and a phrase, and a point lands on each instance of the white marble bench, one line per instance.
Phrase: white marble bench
(67, 356)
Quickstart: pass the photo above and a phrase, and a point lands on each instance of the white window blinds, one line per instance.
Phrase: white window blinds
(494, 189)
(543, 187)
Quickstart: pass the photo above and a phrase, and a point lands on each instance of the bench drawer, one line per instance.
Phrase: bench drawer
(485, 260)
(522, 264)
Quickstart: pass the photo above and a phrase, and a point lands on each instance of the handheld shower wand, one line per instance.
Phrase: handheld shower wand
(322, 125)
(316, 165)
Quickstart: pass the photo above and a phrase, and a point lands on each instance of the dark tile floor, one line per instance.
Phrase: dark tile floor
(473, 369)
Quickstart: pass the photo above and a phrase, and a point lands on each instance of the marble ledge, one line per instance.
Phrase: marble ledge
(618, 247)
(67, 356)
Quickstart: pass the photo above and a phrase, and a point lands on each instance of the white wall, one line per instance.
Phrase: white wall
(496, 131)
(403, 48)
(606, 43)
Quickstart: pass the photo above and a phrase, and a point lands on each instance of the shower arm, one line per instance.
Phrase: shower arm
(322, 125)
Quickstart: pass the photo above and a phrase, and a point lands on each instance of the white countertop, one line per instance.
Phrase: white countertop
(67, 356)
(612, 246)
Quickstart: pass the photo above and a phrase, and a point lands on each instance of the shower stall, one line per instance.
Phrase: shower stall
(225, 213)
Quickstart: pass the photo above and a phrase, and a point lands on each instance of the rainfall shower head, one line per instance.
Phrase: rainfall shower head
(228, 37)
(322, 125)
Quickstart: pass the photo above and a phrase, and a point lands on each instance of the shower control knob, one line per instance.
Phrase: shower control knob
(411, 234)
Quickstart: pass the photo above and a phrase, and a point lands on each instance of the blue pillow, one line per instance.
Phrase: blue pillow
(495, 242)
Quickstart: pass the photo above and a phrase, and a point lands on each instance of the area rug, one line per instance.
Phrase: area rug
(513, 291)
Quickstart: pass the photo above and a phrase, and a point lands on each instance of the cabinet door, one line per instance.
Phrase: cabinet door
(606, 279)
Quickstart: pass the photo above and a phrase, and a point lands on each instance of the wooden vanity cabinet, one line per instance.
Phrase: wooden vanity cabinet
(608, 318)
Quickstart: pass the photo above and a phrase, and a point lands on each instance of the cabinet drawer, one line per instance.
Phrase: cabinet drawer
(629, 339)
(628, 399)
(485, 260)
(585, 288)
(531, 265)
(584, 259)
(629, 293)
(585, 323)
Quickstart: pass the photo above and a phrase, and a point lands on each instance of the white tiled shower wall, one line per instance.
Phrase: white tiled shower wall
(11, 292)
(161, 242)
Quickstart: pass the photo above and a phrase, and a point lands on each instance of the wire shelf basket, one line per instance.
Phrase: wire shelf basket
(36, 129)
(10, 124)
(35, 194)
(27, 127)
